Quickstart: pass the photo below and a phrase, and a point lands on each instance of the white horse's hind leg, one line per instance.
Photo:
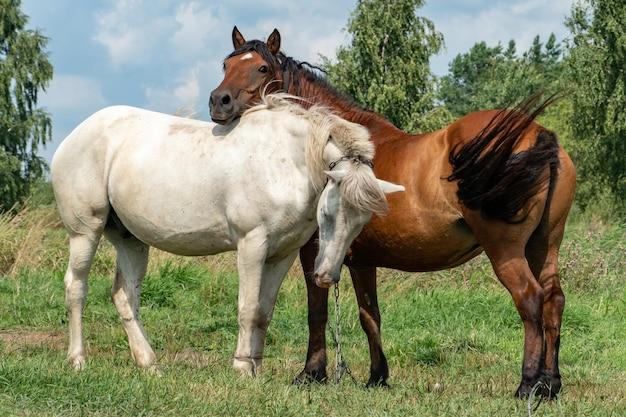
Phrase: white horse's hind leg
(82, 250)
(259, 282)
(132, 261)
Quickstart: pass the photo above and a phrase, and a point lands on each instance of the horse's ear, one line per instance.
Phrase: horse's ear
(238, 39)
(389, 187)
(273, 42)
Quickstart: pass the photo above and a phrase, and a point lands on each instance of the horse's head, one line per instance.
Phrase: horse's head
(249, 71)
(346, 204)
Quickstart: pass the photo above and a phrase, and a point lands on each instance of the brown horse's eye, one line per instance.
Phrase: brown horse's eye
(263, 68)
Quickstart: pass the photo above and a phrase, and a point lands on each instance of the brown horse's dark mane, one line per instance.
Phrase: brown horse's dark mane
(308, 81)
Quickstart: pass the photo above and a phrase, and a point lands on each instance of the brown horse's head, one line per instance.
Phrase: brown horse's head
(250, 70)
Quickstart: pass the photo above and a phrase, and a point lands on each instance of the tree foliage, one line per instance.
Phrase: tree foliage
(386, 66)
(495, 77)
(24, 71)
(597, 76)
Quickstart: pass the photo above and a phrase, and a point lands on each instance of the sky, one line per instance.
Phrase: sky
(166, 55)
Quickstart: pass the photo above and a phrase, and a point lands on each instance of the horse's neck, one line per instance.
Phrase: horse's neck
(380, 128)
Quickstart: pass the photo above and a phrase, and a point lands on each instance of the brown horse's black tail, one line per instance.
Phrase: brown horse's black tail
(493, 179)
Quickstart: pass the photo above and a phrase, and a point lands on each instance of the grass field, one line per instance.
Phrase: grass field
(453, 339)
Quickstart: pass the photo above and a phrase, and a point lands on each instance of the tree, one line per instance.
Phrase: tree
(597, 74)
(24, 71)
(462, 90)
(494, 77)
(386, 66)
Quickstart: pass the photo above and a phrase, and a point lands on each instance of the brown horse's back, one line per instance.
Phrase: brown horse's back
(469, 126)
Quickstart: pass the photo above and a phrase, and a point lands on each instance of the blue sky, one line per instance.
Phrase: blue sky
(166, 55)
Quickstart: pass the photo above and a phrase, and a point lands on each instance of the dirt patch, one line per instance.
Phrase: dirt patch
(14, 340)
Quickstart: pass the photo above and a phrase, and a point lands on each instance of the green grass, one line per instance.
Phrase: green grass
(453, 339)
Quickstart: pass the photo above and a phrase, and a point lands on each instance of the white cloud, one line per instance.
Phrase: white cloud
(196, 26)
(131, 30)
(134, 31)
(73, 92)
(189, 92)
(189, 89)
(186, 39)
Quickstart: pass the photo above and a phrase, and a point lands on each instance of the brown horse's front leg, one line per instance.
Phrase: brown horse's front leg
(364, 281)
(315, 367)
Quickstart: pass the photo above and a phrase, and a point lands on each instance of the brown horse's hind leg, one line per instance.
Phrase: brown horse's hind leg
(554, 302)
(364, 281)
(543, 253)
(315, 367)
(515, 275)
(504, 245)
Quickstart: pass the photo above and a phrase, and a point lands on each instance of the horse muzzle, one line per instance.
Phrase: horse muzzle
(223, 108)
(324, 279)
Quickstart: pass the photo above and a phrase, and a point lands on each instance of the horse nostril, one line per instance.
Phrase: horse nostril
(225, 99)
(213, 98)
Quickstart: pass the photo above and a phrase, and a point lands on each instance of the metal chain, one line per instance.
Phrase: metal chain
(341, 366)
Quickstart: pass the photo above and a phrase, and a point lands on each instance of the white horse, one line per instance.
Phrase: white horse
(195, 188)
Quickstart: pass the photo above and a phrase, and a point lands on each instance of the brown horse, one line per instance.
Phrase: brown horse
(493, 181)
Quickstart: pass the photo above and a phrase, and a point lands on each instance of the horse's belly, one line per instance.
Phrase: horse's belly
(189, 243)
(426, 244)
(177, 228)
(216, 237)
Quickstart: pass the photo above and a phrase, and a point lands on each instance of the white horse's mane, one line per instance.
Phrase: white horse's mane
(359, 187)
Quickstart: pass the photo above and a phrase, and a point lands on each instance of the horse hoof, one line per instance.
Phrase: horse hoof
(247, 367)
(376, 383)
(523, 391)
(144, 360)
(77, 362)
(547, 388)
(550, 387)
(310, 377)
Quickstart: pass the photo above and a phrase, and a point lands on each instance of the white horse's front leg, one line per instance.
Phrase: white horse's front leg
(259, 282)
